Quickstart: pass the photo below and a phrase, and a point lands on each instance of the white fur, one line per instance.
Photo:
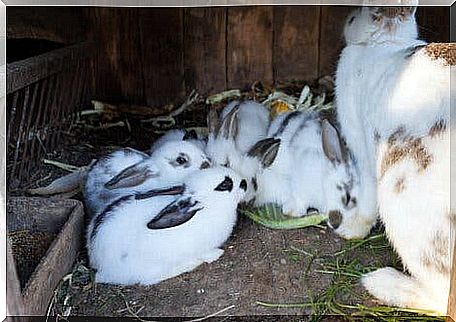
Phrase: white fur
(175, 135)
(253, 123)
(302, 176)
(126, 251)
(378, 91)
(97, 197)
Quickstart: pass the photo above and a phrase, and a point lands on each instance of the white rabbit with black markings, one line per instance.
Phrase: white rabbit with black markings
(230, 136)
(178, 135)
(393, 96)
(312, 171)
(127, 171)
(253, 122)
(158, 234)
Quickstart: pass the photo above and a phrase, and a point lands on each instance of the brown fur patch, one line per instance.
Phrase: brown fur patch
(438, 128)
(401, 146)
(399, 186)
(443, 51)
(437, 257)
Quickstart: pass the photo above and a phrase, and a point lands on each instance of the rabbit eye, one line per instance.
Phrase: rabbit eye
(227, 164)
(226, 185)
(181, 160)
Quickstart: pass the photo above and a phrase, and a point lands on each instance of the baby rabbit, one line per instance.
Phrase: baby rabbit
(312, 171)
(128, 171)
(252, 123)
(178, 135)
(158, 234)
(233, 141)
(393, 95)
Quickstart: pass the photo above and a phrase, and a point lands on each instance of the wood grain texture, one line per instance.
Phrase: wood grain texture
(60, 24)
(249, 45)
(161, 34)
(331, 37)
(296, 37)
(205, 49)
(452, 297)
(118, 67)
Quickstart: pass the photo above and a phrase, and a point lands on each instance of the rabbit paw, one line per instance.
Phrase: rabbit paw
(351, 227)
(212, 256)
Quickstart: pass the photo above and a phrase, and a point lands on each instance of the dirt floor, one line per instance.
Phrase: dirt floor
(260, 268)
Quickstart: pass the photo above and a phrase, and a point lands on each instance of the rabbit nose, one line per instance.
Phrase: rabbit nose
(335, 219)
(243, 185)
(205, 165)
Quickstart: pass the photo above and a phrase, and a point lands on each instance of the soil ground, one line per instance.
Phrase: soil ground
(259, 265)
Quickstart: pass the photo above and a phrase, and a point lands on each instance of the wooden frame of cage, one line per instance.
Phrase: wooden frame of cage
(36, 107)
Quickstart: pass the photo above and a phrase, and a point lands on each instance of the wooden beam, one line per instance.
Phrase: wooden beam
(296, 36)
(249, 46)
(452, 297)
(331, 37)
(161, 36)
(205, 49)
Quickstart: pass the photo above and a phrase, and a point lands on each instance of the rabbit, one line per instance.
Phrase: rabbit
(225, 134)
(126, 171)
(313, 170)
(253, 123)
(178, 135)
(393, 97)
(151, 236)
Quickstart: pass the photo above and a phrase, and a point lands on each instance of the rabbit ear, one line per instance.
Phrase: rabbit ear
(175, 214)
(213, 122)
(190, 135)
(171, 191)
(131, 176)
(331, 142)
(266, 150)
(230, 124)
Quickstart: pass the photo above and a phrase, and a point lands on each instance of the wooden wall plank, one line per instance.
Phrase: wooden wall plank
(118, 68)
(161, 32)
(249, 45)
(296, 37)
(331, 37)
(60, 24)
(205, 49)
(434, 23)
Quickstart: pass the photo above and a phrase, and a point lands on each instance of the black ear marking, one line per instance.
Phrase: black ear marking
(131, 176)
(175, 214)
(230, 124)
(266, 150)
(190, 135)
(225, 185)
(171, 191)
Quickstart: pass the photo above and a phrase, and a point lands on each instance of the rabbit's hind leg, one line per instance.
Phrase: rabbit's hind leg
(397, 289)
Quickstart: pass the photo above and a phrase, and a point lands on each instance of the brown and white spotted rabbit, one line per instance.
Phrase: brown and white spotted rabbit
(393, 95)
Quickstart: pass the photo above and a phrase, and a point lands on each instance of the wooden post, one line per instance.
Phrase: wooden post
(452, 297)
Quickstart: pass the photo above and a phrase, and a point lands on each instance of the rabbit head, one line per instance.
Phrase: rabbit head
(341, 184)
(222, 150)
(170, 163)
(382, 24)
